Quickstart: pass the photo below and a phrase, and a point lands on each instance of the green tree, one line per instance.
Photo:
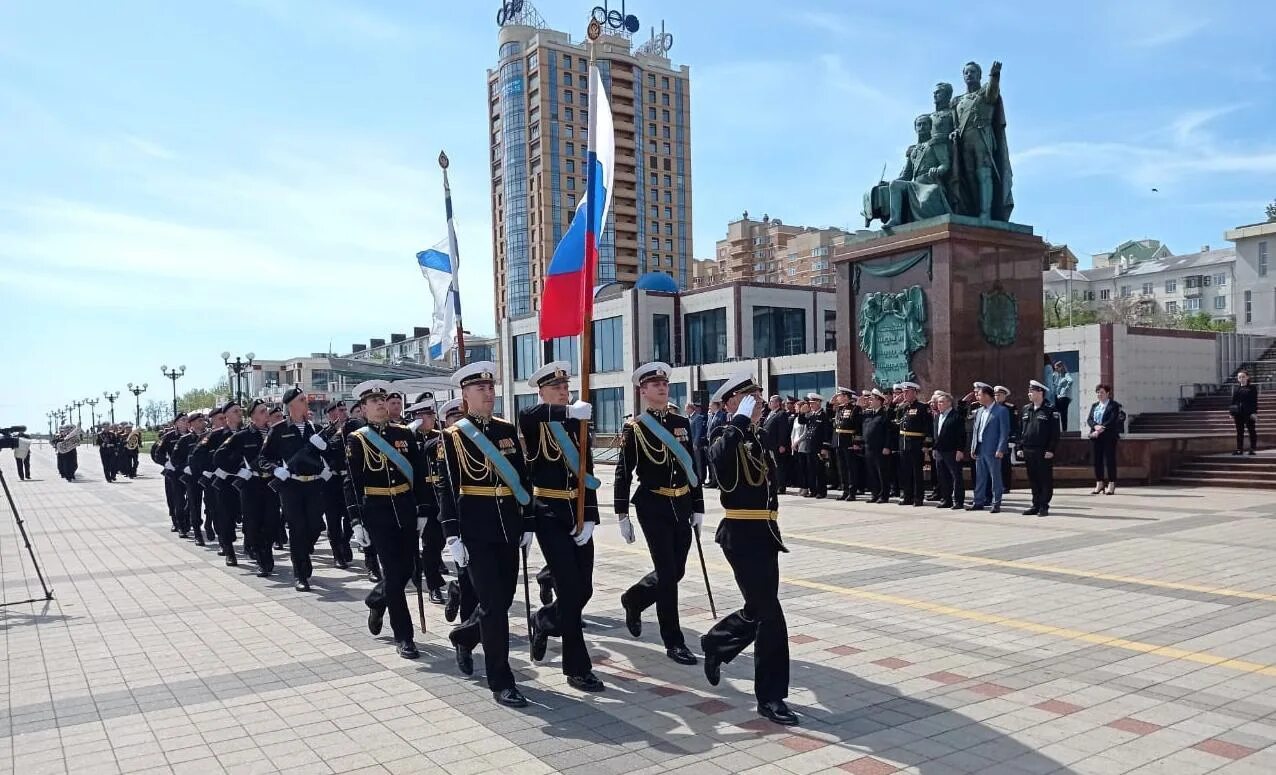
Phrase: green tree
(201, 398)
(1271, 211)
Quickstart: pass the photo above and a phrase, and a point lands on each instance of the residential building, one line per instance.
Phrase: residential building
(774, 252)
(539, 119)
(1131, 252)
(788, 335)
(1188, 284)
(706, 272)
(1060, 256)
(1255, 277)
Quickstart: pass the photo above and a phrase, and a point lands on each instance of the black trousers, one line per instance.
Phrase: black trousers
(260, 507)
(782, 462)
(572, 569)
(952, 482)
(131, 457)
(228, 513)
(334, 512)
(1040, 476)
(1243, 423)
(1007, 472)
(194, 505)
(108, 464)
(493, 571)
(668, 537)
(912, 480)
(24, 466)
(761, 621)
(879, 475)
(847, 470)
(1061, 406)
(391, 522)
(302, 505)
(432, 543)
(68, 464)
(797, 470)
(1104, 449)
(462, 590)
(175, 496)
(816, 480)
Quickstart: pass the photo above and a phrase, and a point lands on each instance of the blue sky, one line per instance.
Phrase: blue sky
(181, 179)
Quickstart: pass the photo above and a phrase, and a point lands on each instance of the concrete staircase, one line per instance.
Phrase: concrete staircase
(1245, 472)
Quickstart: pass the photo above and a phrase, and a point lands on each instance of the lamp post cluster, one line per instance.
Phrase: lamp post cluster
(238, 367)
(174, 375)
(137, 391)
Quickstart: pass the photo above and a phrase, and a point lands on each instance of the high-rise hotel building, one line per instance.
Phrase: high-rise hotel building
(538, 104)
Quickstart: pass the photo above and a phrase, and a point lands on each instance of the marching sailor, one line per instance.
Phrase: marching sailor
(428, 436)
(460, 592)
(750, 539)
(163, 454)
(550, 431)
(228, 513)
(386, 470)
(486, 508)
(669, 502)
(334, 501)
(258, 504)
(201, 474)
(291, 455)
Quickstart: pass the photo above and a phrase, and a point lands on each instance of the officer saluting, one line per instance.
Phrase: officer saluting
(669, 502)
(550, 430)
(750, 539)
(486, 510)
(291, 454)
(386, 467)
(1038, 437)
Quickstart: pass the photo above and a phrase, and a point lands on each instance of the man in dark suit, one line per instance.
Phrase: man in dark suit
(776, 431)
(949, 452)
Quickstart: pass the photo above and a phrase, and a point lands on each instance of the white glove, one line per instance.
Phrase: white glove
(325, 474)
(318, 442)
(359, 537)
(580, 410)
(527, 540)
(420, 525)
(187, 470)
(627, 529)
(245, 474)
(698, 519)
(745, 409)
(168, 466)
(412, 426)
(220, 474)
(459, 554)
(586, 534)
(281, 473)
(206, 474)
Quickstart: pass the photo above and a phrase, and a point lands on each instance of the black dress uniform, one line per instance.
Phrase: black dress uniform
(1007, 470)
(818, 437)
(427, 499)
(750, 538)
(258, 504)
(879, 438)
(479, 508)
(108, 444)
(196, 508)
(848, 427)
(226, 515)
(201, 465)
(915, 426)
(300, 493)
(665, 500)
(571, 566)
(387, 509)
(161, 454)
(1039, 434)
(335, 512)
(351, 498)
(182, 449)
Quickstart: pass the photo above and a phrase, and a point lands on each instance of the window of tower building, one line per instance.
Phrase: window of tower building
(609, 408)
(706, 336)
(524, 355)
(571, 165)
(524, 401)
(822, 382)
(567, 61)
(566, 348)
(567, 96)
(664, 116)
(660, 339)
(651, 79)
(778, 331)
(678, 394)
(830, 330)
(607, 344)
(532, 61)
(651, 96)
(664, 83)
(664, 98)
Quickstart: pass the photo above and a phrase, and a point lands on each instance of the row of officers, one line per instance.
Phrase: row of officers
(411, 486)
(883, 444)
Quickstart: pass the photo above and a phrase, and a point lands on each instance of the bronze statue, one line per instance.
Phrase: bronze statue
(918, 192)
(980, 146)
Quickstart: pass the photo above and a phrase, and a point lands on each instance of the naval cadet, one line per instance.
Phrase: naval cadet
(224, 466)
(915, 426)
(669, 502)
(1038, 436)
(386, 470)
(848, 425)
(291, 454)
(334, 502)
(750, 538)
(425, 425)
(182, 448)
(460, 592)
(192, 480)
(201, 465)
(486, 510)
(162, 453)
(258, 504)
(350, 498)
(550, 431)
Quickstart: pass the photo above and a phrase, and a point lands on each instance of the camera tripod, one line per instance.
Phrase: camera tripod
(26, 540)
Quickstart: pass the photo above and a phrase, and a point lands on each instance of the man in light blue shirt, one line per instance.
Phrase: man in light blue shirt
(989, 442)
(1063, 388)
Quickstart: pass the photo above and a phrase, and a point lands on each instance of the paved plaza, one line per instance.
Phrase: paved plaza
(1131, 633)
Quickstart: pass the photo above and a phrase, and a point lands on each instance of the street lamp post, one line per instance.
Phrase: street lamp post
(174, 375)
(93, 402)
(137, 391)
(79, 416)
(50, 415)
(111, 396)
(238, 366)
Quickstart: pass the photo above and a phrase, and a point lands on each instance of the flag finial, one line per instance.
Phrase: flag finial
(443, 162)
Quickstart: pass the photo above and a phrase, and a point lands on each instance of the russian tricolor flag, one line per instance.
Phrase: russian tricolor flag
(569, 280)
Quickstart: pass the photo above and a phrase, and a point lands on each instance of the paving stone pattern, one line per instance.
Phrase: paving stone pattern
(1133, 633)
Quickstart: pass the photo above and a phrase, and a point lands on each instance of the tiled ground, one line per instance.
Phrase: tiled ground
(1132, 633)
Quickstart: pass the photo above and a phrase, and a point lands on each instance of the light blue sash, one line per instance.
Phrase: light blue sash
(675, 446)
(504, 468)
(385, 448)
(571, 454)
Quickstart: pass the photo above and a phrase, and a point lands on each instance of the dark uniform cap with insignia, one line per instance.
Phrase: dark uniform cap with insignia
(226, 406)
(180, 416)
(335, 405)
(276, 409)
(195, 416)
(423, 403)
(291, 394)
(256, 403)
(216, 410)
